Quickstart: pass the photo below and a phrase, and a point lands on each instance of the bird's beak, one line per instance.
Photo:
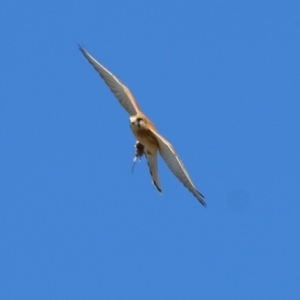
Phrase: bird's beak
(132, 119)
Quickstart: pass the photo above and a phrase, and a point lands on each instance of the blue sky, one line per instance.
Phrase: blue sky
(220, 80)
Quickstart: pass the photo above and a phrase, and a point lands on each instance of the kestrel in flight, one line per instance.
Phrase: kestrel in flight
(149, 141)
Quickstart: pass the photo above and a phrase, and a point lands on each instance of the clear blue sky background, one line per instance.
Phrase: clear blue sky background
(220, 80)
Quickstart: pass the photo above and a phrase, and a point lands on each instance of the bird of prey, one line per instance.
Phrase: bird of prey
(149, 141)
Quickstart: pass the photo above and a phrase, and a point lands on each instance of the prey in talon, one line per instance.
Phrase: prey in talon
(139, 152)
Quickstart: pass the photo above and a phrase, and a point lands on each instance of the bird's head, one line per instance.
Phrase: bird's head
(137, 122)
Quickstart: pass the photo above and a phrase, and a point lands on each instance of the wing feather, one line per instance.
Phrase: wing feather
(122, 93)
(174, 163)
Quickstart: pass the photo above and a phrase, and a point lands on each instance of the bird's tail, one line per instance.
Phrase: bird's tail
(152, 163)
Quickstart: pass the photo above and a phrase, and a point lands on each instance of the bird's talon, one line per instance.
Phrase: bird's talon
(139, 152)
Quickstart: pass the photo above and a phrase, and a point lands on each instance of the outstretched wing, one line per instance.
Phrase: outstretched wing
(122, 93)
(174, 163)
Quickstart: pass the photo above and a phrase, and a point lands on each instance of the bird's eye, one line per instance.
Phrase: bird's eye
(140, 122)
